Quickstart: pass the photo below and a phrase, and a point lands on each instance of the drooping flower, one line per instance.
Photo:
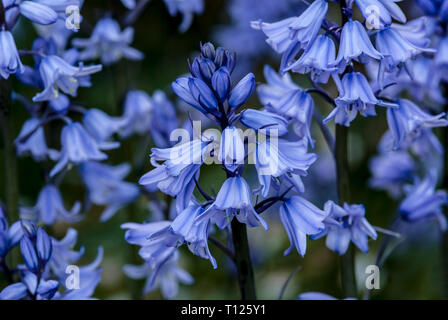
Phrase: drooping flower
(9, 56)
(31, 140)
(345, 224)
(100, 125)
(37, 12)
(168, 278)
(106, 186)
(234, 199)
(423, 202)
(292, 34)
(300, 218)
(163, 121)
(408, 120)
(50, 207)
(282, 159)
(318, 59)
(269, 122)
(138, 107)
(77, 147)
(57, 74)
(231, 150)
(109, 43)
(355, 95)
(355, 45)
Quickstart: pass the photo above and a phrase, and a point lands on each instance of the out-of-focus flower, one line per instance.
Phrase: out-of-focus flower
(137, 116)
(107, 188)
(109, 43)
(50, 207)
(187, 8)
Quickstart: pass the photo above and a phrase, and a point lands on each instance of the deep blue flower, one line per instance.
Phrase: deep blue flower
(15, 291)
(29, 254)
(44, 246)
(234, 198)
(35, 143)
(318, 59)
(57, 73)
(355, 94)
(221, 83)
(355, 45)
(423, 202)
(267, 122)
(345, 224)
(50, 207)
(77, 147)
(107, 188)
(408, 119)
(9, 56)
(109, 43)
(37, 12)
(300, 218)
(10, 236)
(242, 91)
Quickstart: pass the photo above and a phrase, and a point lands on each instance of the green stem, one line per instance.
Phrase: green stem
(342, 169)
(243, 261)
(9, 155)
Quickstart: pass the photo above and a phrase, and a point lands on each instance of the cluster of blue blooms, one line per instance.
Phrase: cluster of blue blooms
(57, 74)
(373, 62)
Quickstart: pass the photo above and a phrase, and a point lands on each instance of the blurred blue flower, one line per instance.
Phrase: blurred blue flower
(106, 186)
(31, 140)
(50, 207)
(423, 202)
(187, 8)
(108, 43)
(100, 125)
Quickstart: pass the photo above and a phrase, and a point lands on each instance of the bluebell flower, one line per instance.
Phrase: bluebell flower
(318, 60)
(137, 115)
(30, 287)
(168, 279)
(9, 56)
(416, 31)
(268, 122)
(77, 147)
(345, 224)
(282, 159)
(63, 254)
(391, 171)
(37, 12)
(378, 12)
(89, 278)
(231, 150)
(50, 207)
(242, 91)
(163, 121)
(408, 119)
(100, 125)
(44, 246)
(35, 143)
(15, 291)
(297, 32)
(282, 96)
(234, 198)
(395, 48)
(57, 74)
(176, 175)
(109, 43)
(300, 218)
(355, 95)
(29, 254)
(187, 8)
(10, 236)
(423, 202)
(355, 45)
(107, 188)
(221, 83)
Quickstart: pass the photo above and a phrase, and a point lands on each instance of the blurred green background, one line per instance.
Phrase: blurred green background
(413, 271)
